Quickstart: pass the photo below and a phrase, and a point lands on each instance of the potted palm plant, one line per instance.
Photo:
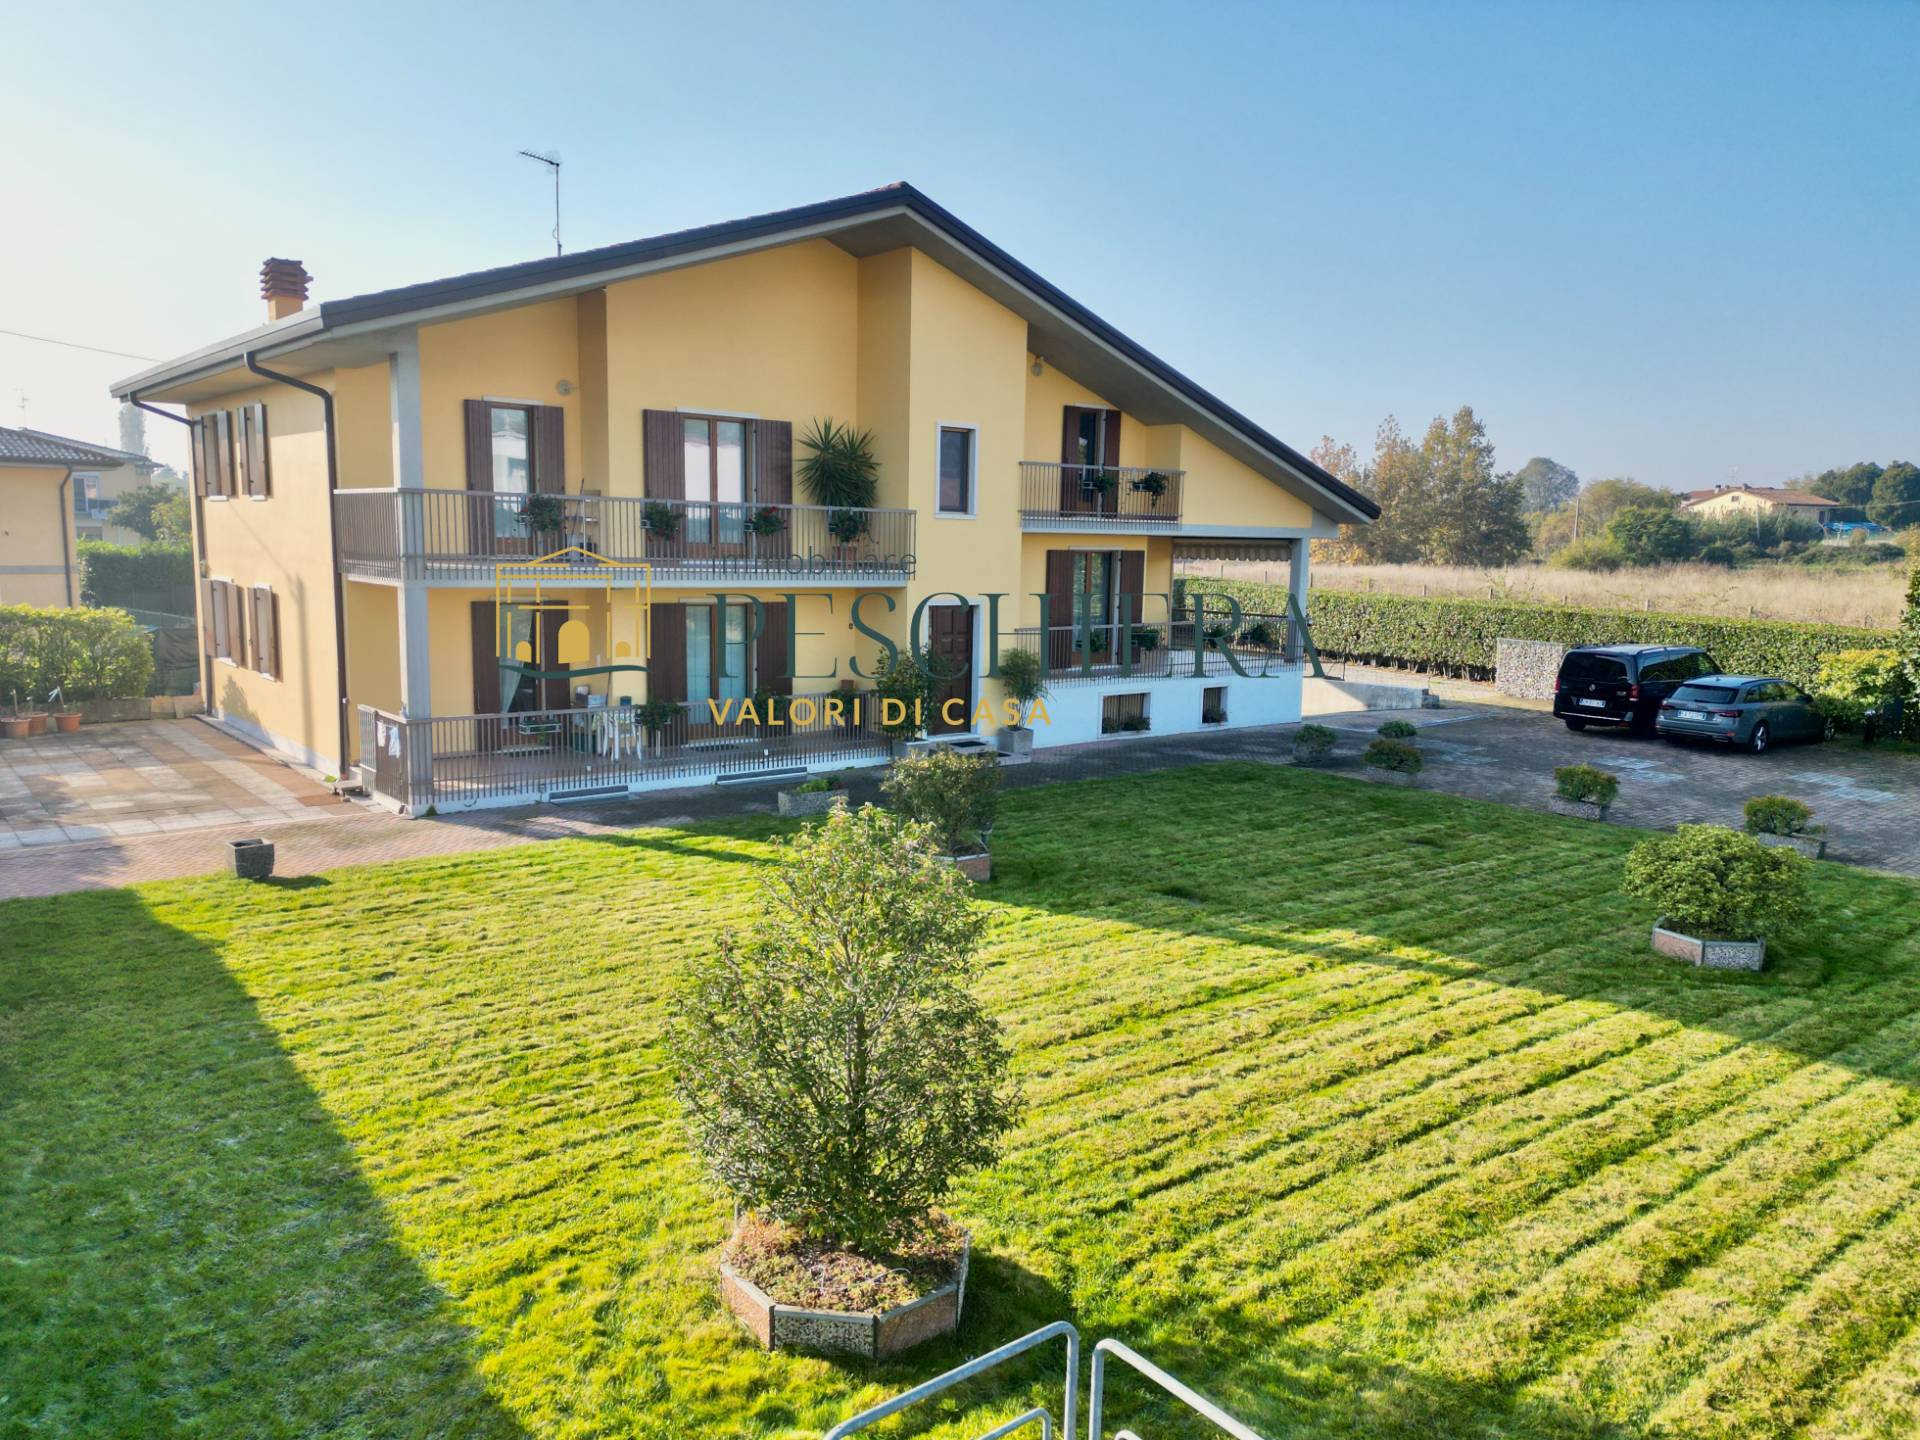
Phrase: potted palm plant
(837, 470)
(1023, 676)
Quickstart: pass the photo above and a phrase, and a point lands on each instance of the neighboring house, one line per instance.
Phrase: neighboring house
(37, 531)
(1733, 501)
(95, 489)
(644, 404)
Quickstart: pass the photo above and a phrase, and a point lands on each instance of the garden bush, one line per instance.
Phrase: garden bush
(957, 797)
(1024, 678)
(1852, 682)
(1313, 741)
(1394, 755)
(1399, 730)
(1586, 783)
(905, 681)
(137, 577)
(835, 1070)
(86, 654)
(1710, 881)
(1454, 636)
(1779, 815)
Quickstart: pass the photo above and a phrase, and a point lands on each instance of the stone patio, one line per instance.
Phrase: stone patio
(112, 782)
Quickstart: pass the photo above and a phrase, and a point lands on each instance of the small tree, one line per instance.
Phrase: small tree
(1024, 677)
(1908, 644)
(1712, 881)
(903, 680)
(835, 1070)
(957, 797)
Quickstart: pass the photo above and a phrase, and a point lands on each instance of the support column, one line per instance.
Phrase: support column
(409, 476)
(1297, 588)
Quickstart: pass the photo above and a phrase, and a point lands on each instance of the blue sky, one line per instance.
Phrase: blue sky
(1670, 241)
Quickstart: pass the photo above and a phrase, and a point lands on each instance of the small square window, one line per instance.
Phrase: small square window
(1123, 714)
(1213, 705)
(956, 470)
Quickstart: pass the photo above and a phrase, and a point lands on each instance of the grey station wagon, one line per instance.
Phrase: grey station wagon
(1751, 711)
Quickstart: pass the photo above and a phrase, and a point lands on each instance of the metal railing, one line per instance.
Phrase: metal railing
(1262, 644)
(535, 755)
(1184, 1393)
(991, 1360)
(1054, 496)
(417, 534)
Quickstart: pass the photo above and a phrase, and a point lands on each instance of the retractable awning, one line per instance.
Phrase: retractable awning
(1271, 551)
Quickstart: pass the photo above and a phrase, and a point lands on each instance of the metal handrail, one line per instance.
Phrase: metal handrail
(1175, 1387)
(979, 1366)
(1139, 497)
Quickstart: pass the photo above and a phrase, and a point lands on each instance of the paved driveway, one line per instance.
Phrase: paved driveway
(1869, 801)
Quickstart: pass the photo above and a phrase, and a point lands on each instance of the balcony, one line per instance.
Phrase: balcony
(461, 537)
(1098, 498)
(1262, 644)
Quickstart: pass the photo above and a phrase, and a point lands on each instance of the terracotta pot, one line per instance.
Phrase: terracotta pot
(37, 723)
(14, 727)
(67, 721)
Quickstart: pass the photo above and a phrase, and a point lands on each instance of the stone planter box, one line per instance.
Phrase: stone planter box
(1405, 779)
(250, 859)
(1578, 809)
(814, 802)
(1709, 954)
(1811, 846)
(1016, 740)
(976, 867)
(1311, 754)
(874, 1337)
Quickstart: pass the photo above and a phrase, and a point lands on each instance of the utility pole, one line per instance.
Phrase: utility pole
(551, 160)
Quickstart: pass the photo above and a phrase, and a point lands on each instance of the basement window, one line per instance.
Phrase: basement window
(1124, 714)
(1213, 705)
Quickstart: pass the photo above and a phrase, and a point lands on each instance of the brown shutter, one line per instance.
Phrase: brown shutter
(242, 454)
(236, 623)
(266, 632)
(1059, 609)
(554, 694)
(664, 453)
(202, 466)
(210, 603)
(222, 453)
(253, 430)
(771, 667)
(1069, 456)
(486, 658)
(667, 653)
(549, 428)
(1112, 445)
(1133, 582)
(479, 445)
(773, 481)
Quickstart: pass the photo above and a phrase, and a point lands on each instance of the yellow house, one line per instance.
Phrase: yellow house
(545, 532)
(1726, 502)
(37, 530)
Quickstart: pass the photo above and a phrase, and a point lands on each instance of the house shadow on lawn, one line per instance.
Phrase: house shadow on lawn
(189, 1244)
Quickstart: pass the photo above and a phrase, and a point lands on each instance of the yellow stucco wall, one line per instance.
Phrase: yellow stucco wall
(363, 421)
(512, 355)
(282, 542)
(33, 514)
(1051, 391)
(1740, 502)
(1219, 490)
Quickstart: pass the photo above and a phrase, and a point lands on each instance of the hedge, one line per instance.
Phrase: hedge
(1453, 636)
(87, 654)
(137, 577)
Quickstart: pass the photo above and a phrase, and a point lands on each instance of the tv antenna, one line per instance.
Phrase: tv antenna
(551, 159)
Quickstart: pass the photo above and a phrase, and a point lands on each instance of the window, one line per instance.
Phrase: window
(511, 450)
(716, 662)
(1581, 666)
(1093, 573)
(1704, 694)
(956, 470)
(1123, 713)
(1213, 705)
(715, 456)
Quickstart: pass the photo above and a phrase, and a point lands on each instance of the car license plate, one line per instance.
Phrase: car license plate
(1594, 704)
(1693, 714)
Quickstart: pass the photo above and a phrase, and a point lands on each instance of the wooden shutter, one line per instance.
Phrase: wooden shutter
(1112, 440)
(266, 632)
(1069, 456)
(479, 445)
(667, 653)
(253, 440)
(486, 659)
(1058, 645)
(554, 694)
(548, 425)
(202, 464)
(773, 481)
(1133, 581)
(664, 454)
(236, 625)
(223, 463)
(771, 667)
(212, 607)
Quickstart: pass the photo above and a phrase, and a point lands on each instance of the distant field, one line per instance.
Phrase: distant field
(1870, 596)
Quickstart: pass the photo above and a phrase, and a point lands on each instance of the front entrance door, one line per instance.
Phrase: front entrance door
(950, 646)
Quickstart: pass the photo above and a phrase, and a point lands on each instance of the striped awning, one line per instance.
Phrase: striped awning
(1268, 550)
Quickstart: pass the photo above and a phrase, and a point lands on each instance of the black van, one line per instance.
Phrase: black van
(1623, 684)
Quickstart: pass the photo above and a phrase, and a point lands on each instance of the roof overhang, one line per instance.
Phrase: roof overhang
(362, 330)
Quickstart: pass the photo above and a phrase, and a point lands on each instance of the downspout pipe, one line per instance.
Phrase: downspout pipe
(199, 554)
(333, 545)
(66, 545)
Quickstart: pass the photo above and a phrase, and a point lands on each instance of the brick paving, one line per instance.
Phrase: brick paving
(1870, 800)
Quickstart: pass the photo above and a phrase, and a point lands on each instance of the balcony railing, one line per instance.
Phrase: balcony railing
(1263, 644)
(1098, 497)
(535, 755)
(463, 535)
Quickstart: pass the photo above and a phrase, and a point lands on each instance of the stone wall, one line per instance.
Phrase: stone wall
(1526, 669)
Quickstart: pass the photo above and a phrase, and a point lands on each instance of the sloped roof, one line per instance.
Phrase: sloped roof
(870, 222)
(31, 447)
(1762, 492)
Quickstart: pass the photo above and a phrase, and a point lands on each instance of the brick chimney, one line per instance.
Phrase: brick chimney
(283, 285)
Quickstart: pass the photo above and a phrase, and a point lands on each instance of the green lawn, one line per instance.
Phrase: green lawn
(1366, 1110)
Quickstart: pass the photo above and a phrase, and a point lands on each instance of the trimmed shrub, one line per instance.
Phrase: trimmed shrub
(1453, 636)
(1313, 740)
(906, 682)
(1710, 881)
(1398, 730)
(1586, 783)
(957, 797)
(86, 654)
(1394, 755)
(836, 1072)
(136, 577)
(1852, 682)
(1779, 815)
